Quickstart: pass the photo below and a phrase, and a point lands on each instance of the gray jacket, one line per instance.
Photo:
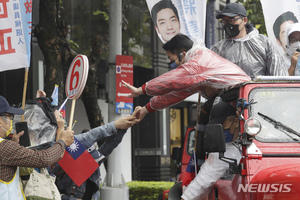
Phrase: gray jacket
(254, 53)
(114, 137)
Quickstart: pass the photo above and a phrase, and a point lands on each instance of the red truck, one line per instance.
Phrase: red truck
(269, 140)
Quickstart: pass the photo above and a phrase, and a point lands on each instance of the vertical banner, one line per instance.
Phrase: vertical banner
(124, 71)
(171, 17)
(15, 34)
(278, 14)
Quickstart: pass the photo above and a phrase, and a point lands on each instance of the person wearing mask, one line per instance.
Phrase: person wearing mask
(254, 53)
(213, 168)
(200, 70)
(113, 132)
(13, 156)
(280, 29)
(293, 47)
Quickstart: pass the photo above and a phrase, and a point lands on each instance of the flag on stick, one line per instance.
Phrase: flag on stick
(78, 163)
(54, 96)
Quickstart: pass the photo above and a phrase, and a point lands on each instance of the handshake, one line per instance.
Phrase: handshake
(128, 121)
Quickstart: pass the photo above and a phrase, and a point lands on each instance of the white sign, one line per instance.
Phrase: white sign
(77, 77)
(15, 34)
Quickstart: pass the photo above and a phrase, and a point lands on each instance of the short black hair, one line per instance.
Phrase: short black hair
(178, 44)
(287, 16)
(163, 4)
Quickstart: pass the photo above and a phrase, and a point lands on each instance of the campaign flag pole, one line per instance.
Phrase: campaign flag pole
(24, 90)
(72, 113)
(63, 104)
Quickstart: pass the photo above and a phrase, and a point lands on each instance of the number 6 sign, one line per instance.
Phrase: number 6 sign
(76, 80)
(77, 76)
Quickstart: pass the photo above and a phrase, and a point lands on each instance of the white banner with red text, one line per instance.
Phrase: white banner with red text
(15, 34)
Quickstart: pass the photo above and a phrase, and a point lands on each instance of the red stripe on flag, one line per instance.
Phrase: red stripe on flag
(81, 169)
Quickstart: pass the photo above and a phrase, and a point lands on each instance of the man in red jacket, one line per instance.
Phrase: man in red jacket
(200, 70)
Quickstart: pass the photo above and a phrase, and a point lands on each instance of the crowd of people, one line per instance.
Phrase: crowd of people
(217, 72)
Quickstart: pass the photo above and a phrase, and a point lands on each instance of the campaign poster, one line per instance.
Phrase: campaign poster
(171, 17)
(278, 14)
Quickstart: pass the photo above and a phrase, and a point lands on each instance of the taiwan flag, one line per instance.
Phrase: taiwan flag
(78, 163)
(63, 112)
(189, 173)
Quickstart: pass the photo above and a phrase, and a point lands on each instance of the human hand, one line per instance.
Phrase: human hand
(40, 93)
(294, 60)
(128, 121)
(16, 137)
(142, 112)
(59, 119)
(66, 136)
(135, 92)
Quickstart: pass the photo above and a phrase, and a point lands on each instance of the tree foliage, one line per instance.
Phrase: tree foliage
(67, 28)
(52, 33)
(255, 14)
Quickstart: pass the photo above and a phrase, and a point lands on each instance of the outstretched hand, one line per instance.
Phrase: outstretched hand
(142, 112)
(128, 121)
(135, 92)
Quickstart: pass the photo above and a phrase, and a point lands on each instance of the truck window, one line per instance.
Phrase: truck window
(191, 142)
(282, 105)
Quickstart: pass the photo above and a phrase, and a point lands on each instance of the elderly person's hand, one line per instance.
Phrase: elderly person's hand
(66, 136)
(128, 121)
(59, 119)
(16, 136)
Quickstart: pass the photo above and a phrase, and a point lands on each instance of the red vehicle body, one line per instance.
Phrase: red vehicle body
(270, 164)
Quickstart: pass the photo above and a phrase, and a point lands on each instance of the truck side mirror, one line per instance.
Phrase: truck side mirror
(213, 139)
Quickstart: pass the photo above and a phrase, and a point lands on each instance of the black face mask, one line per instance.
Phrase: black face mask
(231, 30)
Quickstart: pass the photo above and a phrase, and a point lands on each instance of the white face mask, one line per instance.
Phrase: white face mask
(294, 46)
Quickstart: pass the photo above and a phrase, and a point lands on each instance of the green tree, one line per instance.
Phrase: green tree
(67, 28)
(255, 14)
(52, 33)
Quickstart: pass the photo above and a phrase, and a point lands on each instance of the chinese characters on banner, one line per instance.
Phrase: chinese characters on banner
(15, 34)
(171, 17)
(124, 71)
(278, 14)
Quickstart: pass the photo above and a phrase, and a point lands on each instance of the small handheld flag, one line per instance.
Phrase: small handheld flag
(78, 163)
(189, 174)
(54, 96)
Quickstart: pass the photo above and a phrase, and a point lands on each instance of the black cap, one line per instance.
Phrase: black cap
(5, 108)
(232, 10)
(220, 111)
